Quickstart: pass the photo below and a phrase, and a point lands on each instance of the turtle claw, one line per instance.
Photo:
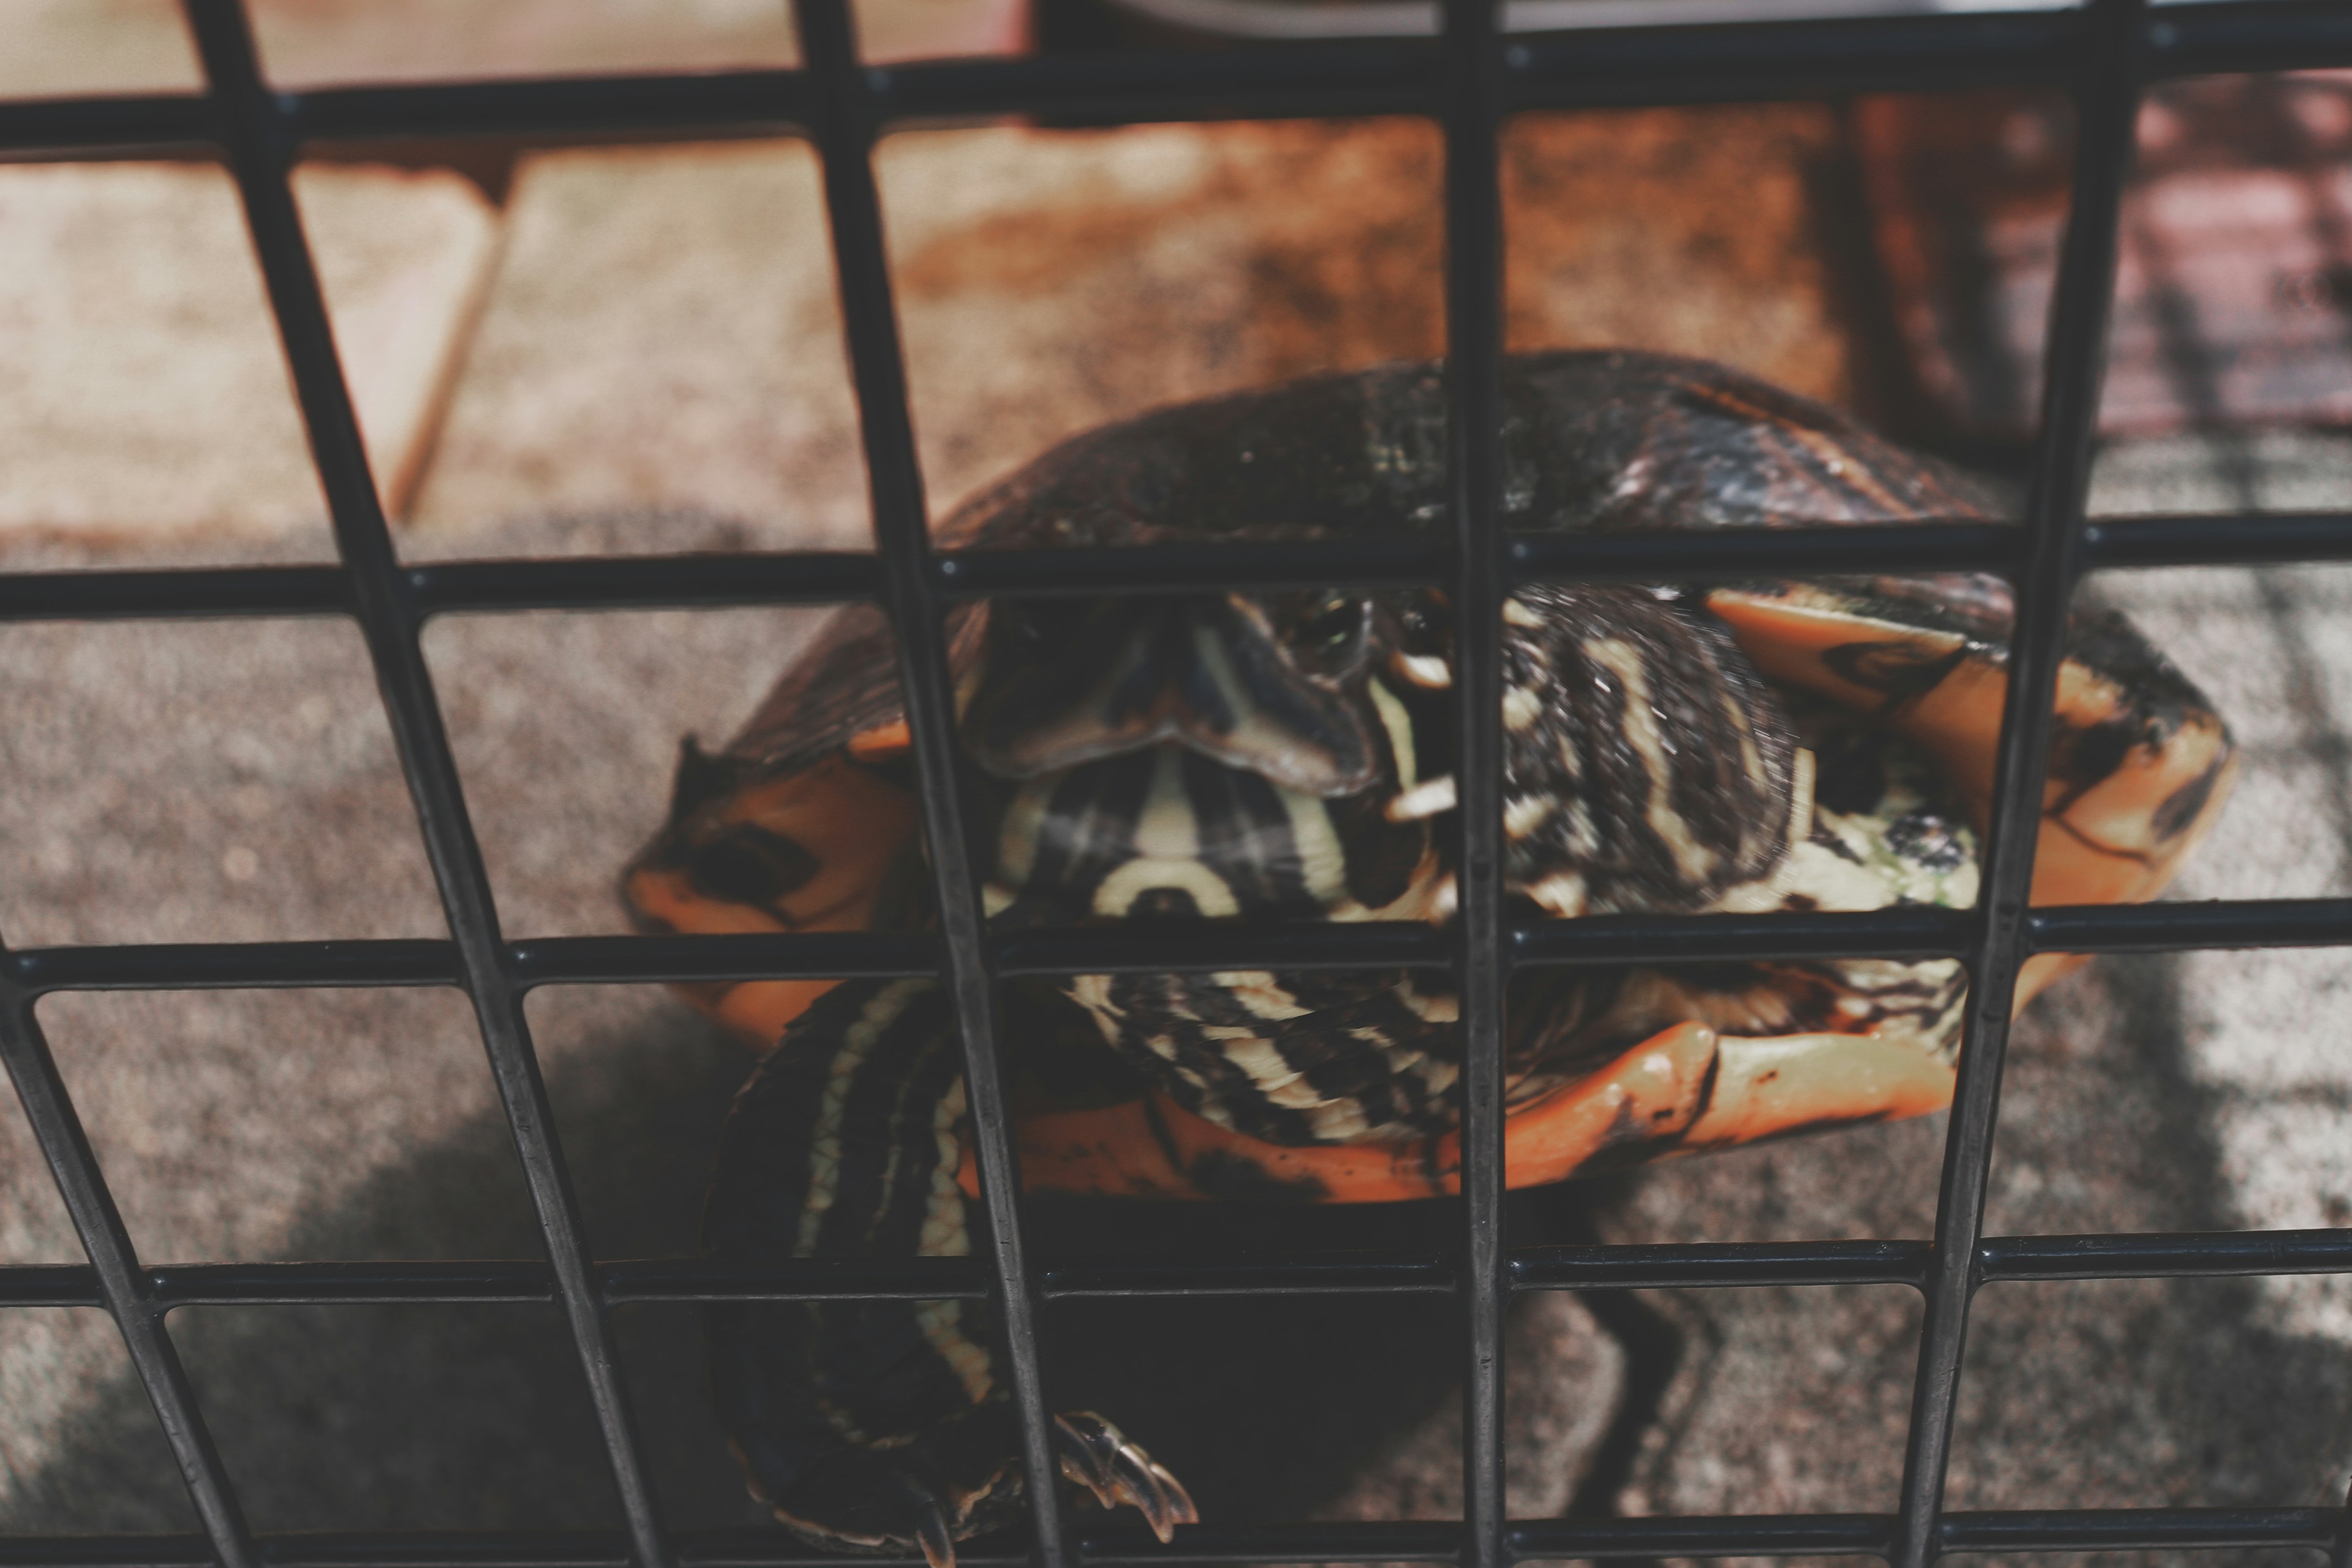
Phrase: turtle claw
(1186, 1512)
(1103, 1459)
(1181, 1510)
(1083, 1457)
(871, 1508)
(932, 1533)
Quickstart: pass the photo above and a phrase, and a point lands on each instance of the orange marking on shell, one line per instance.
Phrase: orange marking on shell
(883, 741)
(1723, 397)
(1764, 1086)
(756, 1010)
(1835, 458)
(2101, 847)
(1152, 1149)
(854, 822)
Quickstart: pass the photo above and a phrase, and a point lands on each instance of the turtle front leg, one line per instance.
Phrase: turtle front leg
(1645, 766)
(876, 1425)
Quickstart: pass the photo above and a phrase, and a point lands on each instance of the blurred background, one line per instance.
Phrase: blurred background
(568, 348)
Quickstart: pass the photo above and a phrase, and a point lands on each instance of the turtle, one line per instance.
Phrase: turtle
(1268, 757)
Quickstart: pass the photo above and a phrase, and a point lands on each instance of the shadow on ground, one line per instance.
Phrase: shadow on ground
(2132, 1393)
(457, 1417)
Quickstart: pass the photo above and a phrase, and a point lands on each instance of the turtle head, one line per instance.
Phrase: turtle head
(1269, 684)
(1210, 755)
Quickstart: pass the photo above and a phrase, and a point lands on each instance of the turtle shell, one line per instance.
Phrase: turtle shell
(807, 819)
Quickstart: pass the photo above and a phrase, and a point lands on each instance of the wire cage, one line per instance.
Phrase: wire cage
(1467, 80)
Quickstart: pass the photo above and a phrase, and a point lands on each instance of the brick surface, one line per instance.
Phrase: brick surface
(148, 396)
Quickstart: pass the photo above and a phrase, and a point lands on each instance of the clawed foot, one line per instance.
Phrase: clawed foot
(881, 1500)
(1102, 1459)
(928, 1515)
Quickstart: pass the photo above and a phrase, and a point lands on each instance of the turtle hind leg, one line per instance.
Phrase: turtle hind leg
(1652, 1344)
(876, 1425)
(926, 1494)
(1653, 1347)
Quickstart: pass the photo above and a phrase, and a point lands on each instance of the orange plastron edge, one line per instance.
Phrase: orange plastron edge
(852, 821)
(1683, 1090)
(2117, 841)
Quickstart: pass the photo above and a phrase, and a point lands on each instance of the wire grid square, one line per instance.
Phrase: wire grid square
(2103, 55)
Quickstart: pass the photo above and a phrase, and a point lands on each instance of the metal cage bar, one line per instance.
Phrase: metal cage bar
(1682, 64)
(1473, 76)
(2107, 103)
(260, 153)
(1473, 412)
(788, 577)
(2312, 1530)
(116, 1282)
(845, 127)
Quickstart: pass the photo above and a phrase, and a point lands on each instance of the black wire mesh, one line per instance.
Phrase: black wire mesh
(2102, 55)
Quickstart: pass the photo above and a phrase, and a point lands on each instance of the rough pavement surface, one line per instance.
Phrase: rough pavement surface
(147, 397)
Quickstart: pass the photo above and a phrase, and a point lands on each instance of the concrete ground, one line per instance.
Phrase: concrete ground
(655, 367)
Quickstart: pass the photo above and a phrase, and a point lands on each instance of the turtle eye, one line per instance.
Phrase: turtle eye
(749, 865)
(1323, 629)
